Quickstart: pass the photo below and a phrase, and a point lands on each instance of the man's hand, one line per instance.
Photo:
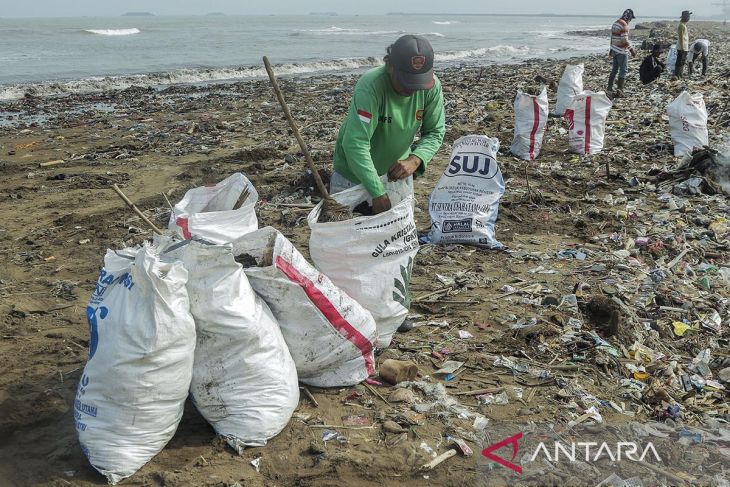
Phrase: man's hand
(632, 51)
(381, 204)
(403, 169)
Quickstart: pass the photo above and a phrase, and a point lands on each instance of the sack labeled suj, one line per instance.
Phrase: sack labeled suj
(688, 123)
(531, 114)
(331, 337)
(370, 257)
(465, 202)
(217, 213)
(142, 336)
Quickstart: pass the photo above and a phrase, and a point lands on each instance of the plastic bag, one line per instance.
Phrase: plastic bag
(671, 59)
(244, 379)
(464, 203)
(531, 114)
(330, 336)
(131, 395)
(688, 123)
(370, 257)
(571, 83)
(586, 116)
(207, 211)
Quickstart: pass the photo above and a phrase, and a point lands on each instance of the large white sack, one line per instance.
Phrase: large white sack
(207, 211)
(131, 395)
(244, 379)
(688, 123)
(330, 335)
(671, 59)
(464, 203)
(586, 116)
(370, 257)
(571, 83)
(531, 114)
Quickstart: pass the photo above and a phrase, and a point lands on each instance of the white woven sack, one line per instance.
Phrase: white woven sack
(131, 395)
(370, 257)
(207, 211)
(330, 336)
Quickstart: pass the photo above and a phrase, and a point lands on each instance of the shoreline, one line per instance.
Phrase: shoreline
(226, 75)
(56, 222)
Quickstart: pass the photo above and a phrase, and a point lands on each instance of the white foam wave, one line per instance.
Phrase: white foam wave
(432, 34)
(500, 51)
(445, 22)
(114, 32)
(335, 30)
(182, 76)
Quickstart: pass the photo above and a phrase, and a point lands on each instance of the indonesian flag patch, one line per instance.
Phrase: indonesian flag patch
(365, 117)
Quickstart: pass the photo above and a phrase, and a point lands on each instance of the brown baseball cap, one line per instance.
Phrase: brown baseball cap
(412, 60)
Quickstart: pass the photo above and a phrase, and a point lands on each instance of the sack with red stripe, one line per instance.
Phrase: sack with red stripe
(244, 379)
(586, 116)
(370, 257)
(330, 336)
(571, 83)
(531, 114)
(688, 123)
(214, 213)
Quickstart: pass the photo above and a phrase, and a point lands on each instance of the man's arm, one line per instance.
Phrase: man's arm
(433, 128)
(362, 119)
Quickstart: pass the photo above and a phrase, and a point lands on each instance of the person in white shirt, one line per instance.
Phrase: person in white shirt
(699, 50)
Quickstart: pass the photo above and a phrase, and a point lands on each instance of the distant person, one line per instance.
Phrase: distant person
(652, 66)
(682, 43)
(699, 50)
(389, 106)
(620, 49)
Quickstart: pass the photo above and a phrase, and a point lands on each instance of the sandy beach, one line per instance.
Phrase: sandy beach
(57, 220)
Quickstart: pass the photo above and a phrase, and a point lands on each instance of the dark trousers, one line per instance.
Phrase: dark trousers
(681, 61)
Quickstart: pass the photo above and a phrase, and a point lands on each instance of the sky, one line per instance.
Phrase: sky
(74, 8)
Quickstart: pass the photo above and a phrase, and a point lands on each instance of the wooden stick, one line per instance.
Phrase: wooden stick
(309, 396)
(168, 201)
(478, 392)
(377, 394)
(662, 471)
(676, 260)
(51, 163)
(439, 459)
(293, 126)
(136, 210)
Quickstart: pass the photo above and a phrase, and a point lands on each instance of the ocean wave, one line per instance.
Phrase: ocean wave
(181, 76)
(113, 32)
(445, 22)
(495, 52)
(335, 30)
(432, 34)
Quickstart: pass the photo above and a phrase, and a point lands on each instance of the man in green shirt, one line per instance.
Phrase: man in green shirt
(682, 43)
(389, 106)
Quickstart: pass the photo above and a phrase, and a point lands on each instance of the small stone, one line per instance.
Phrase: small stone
(392, 427)
(402, 395)
(316, 447)
(724, 375)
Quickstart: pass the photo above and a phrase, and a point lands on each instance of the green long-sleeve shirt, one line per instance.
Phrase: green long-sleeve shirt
(380, 128)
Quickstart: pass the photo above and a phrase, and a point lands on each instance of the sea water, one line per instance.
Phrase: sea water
(72, 55)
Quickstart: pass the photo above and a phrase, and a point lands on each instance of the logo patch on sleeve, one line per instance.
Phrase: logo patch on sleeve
(365, 117)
